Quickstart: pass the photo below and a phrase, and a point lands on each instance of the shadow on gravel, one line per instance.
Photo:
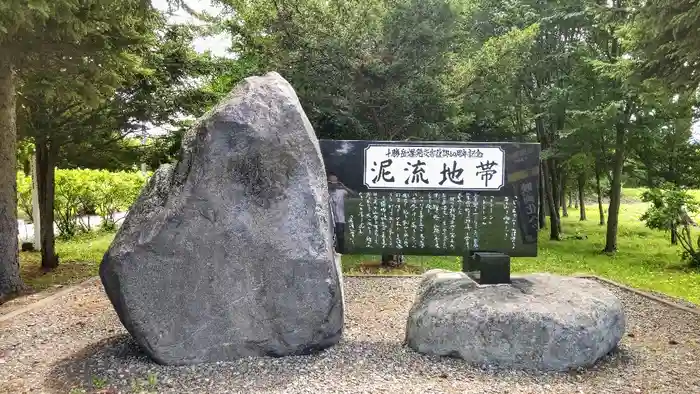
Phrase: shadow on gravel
(82, 369)
(119, 364)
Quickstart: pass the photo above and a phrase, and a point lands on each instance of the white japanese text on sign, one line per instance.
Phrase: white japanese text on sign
(433, 168)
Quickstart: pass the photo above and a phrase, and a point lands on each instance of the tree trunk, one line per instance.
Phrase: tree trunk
(10, 280)
(26, 167)
(543, 197)
(649, 177)
(392, 260)
(563, 194)
(615, 189)
(45, 159)
(554, 185)
(550, 188)
(570, 197)
(581, 203)
(674, 235)
(600, 196)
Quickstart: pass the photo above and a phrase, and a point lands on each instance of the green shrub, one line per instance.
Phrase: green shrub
(82, 192)
(72, 193)
(113, 192)
(670, 210)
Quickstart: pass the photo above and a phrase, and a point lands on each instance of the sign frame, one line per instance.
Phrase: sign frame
(520, 179)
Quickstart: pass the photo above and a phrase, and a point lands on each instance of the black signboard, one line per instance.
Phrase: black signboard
(434, 198)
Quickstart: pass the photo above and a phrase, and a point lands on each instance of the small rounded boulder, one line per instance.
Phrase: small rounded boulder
(537, 322)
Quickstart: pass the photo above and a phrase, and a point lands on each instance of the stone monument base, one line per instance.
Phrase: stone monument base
(537, 322)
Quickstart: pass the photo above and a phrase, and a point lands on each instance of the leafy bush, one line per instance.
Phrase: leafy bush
(81, 192)
(72, 191)
(113, 192)
(670, 210)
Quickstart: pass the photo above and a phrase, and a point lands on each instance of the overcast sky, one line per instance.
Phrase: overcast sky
(218, 45)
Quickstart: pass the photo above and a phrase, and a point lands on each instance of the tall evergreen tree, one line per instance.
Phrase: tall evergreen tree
(87, 37)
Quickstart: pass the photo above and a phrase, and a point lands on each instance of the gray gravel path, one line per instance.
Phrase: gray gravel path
(78, 343)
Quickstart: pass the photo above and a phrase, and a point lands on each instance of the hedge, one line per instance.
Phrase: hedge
(82, 192)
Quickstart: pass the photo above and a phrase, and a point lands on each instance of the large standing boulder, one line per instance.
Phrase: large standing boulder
(538, 322)
(228, 253)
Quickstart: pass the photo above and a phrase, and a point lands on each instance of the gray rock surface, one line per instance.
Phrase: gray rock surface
(538, 322)
(228, 253)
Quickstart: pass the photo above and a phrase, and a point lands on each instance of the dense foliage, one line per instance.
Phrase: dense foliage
(670, 210)
(667, 32)
(571, 75)
(83, 192)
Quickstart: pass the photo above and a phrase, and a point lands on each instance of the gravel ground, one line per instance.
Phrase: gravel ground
(675, 300)
(78, 342)
(25, 300)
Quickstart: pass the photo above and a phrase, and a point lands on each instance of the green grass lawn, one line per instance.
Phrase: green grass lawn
(645, 260)
(79, 260)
